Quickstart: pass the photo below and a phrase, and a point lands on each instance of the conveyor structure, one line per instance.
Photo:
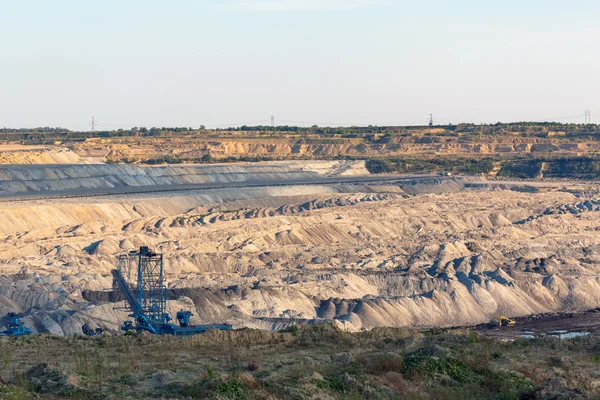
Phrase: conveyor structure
(139, 276)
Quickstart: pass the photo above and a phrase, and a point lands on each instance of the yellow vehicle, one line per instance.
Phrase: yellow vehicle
(503, 320)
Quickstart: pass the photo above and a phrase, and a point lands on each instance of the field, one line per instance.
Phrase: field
(312, 362)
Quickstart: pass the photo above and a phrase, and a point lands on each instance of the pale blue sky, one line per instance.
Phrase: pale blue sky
(186, 63)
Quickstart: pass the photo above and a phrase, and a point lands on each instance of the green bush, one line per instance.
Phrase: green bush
(477, 376)
(293, 329)
(331, 384)
(234, 389)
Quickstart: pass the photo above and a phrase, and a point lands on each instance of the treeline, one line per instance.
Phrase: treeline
(317, 129)
(44, 129)
(441, 164)
(584, 167)
(576, 167)
(205, 159)
(50, 135)
(540, 129)
(142, 131)
(372, 134)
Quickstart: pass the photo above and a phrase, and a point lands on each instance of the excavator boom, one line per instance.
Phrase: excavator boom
(135, 306)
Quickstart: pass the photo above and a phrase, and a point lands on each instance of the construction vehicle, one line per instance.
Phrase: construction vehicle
(503, 320)
(91, 332)
(15, 326)
(140, 278)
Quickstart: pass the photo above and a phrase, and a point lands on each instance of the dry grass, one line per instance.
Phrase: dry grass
(316, 361)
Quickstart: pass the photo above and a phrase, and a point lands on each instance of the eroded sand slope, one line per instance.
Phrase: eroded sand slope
(246, 144)
(364, 256)
(76, 178)
(18, 154)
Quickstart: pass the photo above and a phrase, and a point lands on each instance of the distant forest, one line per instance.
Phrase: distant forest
(47, 135)
(463, 127)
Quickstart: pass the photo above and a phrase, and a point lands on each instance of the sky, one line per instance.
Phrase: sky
(327, 62)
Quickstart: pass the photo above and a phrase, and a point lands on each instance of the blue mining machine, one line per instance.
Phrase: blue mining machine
(140, 278)
(15, 326)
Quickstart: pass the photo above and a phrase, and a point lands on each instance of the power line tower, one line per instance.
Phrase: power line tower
(588, 116)
(93, 125)
(273, 123)
(430, 119)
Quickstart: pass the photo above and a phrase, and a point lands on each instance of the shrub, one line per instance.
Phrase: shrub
(293, 329)
(420, 364)
(209, 371)
(331, 384)
(384, 363)
(252, 366)
(234, 389)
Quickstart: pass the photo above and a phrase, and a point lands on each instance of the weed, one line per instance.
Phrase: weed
(354, 368)
(11, 392)
(384, 363)
(126, 379)
(81, 359)
(420, 364)
(293, 329)
(7, 356)
(473, 337)
(447, 364)
(252, 366)
(209, 371)
(331, 384)
(556, 362)
(81, 394)
(234, 389)
(98, 367)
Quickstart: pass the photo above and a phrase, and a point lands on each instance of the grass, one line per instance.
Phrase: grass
(303, 362)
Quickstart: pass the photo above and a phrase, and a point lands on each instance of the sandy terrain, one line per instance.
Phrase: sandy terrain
(78, 179)
(439, 253)
(190, 146)
(253, 144)
(19, 154)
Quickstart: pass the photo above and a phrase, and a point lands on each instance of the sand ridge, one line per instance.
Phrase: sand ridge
(268, 257)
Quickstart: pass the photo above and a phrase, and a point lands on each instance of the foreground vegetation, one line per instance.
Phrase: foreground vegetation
(318, 361)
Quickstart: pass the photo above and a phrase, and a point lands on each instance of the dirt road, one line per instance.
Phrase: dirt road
(556, 324)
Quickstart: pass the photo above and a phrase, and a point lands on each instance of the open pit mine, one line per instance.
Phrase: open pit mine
(267, 245)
